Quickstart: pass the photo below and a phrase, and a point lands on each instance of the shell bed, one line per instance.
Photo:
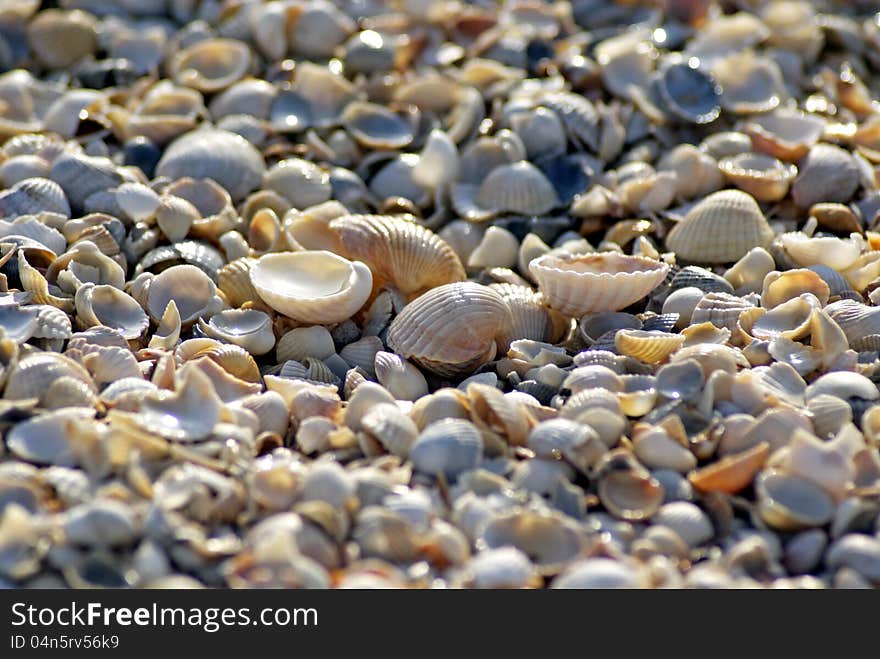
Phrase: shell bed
(440, 294)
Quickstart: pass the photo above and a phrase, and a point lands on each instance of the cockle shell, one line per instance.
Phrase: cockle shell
(225, 157)
(790, 503)
(519, 187)
(249, 329)
(763, 177)
(576, 284)
(785, 134)
(827, 173)
(312, 286)
(805, 251)
(399, 252)
(731, 473)
(651, 347)
(32, 196)
(451, 329)
(721, 228)
(191, 289)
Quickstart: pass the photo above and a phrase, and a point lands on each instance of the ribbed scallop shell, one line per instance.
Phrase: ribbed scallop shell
(217, 154)
(451, 329)
(721, 228)
(399, 252)
(32, 196)
(517, 188)
(647, 346)
(577, 284)
(828, 173)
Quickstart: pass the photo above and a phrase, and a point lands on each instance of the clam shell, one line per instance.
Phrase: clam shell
(249, 329)
(376, 127)
(576, 284)
(631, 495)
(34, 374)
(689, 93)
(451, 329)
(721, 228)
(750, 83)
(519, 187)
(827, 173)
(399, 252)
(326, 289)
(531, 318)
(210, 65)
(225, 157)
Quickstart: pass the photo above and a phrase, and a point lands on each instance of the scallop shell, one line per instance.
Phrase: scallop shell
(109, 306)
(764, 177)
(827, 173)
(399, 252)
(33, 195)
(721, 228)
(326, 289)
(519, 187)
(225, 157)
(576, 284)
(451, 329)
(210, 65)
(650, 347)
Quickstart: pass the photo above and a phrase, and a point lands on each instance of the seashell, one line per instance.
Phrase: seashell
(175, 216)
(34, 373)
(858, 552)
(395, 431)
(617, 280)
(302, 183)
(399, 252)
(578, 444)
(249, 329)
(836, 217)
(403, 380)
(829, 414)
(696, 172)
(438, 162)
(656, 449)
(49, 438)
(167, 332)
(109, 306)
(191, 289)
(376, 127)
(61, 38)
(541, 131)
(651, 347)
(784, 133)
(233, 279)
(683, 302)
(764, 177)
(531, 319)
(790, 503)
(70, 392)
(225, 157)
(80, 176)
(626, 489)
(595, 573)
(447, 447)
(430, 329)
(689, 93)
(549, 539)
(578, 116)
(726, 143)
(857, 320)
(827, 173)
(731, 473)
(805, 251)
(327, 288)
(687, 520)
(751, 84)
(210, 65)
(646, 191)
(780, 287)
(302, 342)
(18, 324)
(165, 112)
(498, 249)
(790, 320)
(326, 92)
(519, 187)
(19, 168)
(720, 309)
(33, 195)
(86, 263)
(721, 228)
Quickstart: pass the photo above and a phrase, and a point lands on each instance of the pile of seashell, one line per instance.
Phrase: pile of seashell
(427, 293)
